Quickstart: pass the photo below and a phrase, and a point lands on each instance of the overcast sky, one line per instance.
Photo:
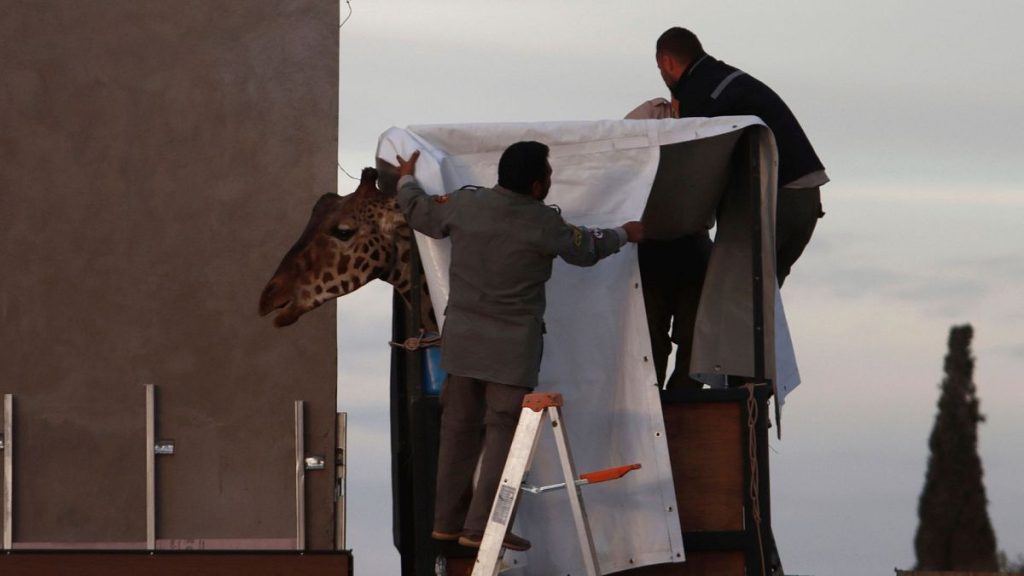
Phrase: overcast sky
(917, 111)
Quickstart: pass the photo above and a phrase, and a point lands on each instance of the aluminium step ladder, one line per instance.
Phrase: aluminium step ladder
(520, 457)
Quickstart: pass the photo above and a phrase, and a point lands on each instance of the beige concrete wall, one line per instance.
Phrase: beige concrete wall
(156, 160)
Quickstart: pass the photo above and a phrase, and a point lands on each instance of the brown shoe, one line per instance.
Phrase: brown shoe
(445, 536)
(512, 542)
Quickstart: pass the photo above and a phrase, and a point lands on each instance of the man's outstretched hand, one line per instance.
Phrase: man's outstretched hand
(408, 167)
(634, 231)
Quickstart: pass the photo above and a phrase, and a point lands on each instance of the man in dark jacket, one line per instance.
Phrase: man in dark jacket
(673, 270)
(705, 87)
(503, 243)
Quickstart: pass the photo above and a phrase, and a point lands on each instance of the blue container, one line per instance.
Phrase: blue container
(433, 374)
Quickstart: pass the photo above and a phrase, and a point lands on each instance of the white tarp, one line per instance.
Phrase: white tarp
(597, 349)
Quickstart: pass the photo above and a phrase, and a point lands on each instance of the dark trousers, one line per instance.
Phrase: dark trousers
(797, 213)
(672, 272)
(475, 415)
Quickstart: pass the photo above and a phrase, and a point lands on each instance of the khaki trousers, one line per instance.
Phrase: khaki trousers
(475, 416)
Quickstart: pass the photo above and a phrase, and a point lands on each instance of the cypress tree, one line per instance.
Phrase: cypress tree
(954, 531)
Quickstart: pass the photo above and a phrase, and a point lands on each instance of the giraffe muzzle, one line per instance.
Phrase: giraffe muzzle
(274, 299)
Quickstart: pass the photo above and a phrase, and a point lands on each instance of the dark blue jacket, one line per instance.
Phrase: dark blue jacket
(711, 87)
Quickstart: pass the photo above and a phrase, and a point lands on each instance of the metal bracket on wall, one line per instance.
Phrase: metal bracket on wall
(7, 445)
(164, 448)
(302, 463)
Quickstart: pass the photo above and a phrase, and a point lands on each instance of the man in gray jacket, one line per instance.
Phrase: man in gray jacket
(503, 242)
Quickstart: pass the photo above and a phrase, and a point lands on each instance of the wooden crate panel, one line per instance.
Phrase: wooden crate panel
(705, 446)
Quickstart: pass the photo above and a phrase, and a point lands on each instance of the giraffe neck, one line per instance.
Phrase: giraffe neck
(400, 276)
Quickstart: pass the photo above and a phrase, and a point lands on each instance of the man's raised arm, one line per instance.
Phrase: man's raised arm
(424, 213)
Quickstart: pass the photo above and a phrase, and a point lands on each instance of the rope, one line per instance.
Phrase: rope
(349, 3)
(346, 172)
(755, 476)
(421, 340)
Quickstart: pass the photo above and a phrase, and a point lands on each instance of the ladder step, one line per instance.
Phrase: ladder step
(538, 401)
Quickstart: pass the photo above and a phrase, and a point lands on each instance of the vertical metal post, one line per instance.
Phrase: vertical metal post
(300, 477)
(8, 445)
(340, 480)
(150, 467)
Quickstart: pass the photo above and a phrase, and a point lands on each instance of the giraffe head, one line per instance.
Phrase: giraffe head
(348, 241)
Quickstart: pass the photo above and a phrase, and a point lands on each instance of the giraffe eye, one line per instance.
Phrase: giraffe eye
(343, 234)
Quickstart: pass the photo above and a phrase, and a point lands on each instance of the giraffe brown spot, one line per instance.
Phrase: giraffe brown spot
(328, 277)
(306, 295)
(375, 255)
(405, 256)
(319, 289)
(343, 263)
(334, 290)
(359, 264)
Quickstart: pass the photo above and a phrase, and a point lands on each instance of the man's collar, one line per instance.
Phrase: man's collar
(692, 67)
(676, 88)
(512, 193)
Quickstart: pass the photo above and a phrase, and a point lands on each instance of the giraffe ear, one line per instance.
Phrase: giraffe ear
(388, 177)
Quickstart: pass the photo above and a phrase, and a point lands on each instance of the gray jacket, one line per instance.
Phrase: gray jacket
(503, 244)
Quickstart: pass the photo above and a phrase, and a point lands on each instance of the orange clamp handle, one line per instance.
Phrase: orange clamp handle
(609, 474)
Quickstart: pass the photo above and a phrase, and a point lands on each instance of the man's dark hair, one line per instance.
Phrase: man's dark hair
(681, 43)
(522, 164)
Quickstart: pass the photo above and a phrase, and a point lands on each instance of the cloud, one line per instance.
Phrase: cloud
(1013, 350)
(945, 291)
